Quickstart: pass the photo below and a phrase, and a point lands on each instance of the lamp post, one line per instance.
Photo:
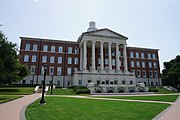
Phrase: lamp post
(52, 85)
(42, 101)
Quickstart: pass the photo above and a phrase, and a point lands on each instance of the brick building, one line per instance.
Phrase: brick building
(87, 60)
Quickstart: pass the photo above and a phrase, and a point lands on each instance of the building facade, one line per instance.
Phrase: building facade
(100, 56)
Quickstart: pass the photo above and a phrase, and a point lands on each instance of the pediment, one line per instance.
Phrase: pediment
(107, 32)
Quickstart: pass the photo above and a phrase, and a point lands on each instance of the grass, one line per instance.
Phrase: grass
(6, 98)
(60, 108)
(162, 90)
(16, 90)
(165, 98)
(59, 91)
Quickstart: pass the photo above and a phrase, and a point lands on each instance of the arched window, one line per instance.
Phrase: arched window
(76, 51)
(27, 47)
(53, 48)
(34, 47)
(45, 48)
(70, 50)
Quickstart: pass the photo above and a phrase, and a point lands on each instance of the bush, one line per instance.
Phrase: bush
(81, 90)
(153, 89)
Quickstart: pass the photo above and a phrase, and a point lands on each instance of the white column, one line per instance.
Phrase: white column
(81, 59)
(102, 56)
(117, 57)
(93, 55)
(109, 55)
(125, 58)
(84, 56)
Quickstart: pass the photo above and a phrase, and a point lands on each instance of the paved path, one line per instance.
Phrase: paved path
(13, 110)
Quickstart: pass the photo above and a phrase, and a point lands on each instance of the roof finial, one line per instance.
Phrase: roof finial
(92, 26)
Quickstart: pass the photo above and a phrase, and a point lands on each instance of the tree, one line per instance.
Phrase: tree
(11, 70)
(171, 73)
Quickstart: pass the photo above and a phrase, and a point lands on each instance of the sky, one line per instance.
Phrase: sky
(147, 23)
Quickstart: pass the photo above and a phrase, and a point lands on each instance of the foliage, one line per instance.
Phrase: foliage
(81, 90)
(10, 68)
(165, 98)
(60, 108)
(16, 90)
(171, 73)
(153, 89)
(6, 98)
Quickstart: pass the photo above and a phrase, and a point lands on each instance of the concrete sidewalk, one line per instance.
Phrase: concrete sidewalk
(13, 110)
(171, 113)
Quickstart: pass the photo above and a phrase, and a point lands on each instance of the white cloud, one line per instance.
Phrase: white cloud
(36, 0)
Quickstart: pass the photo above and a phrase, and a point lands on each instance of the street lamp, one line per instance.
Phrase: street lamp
(52, 85)
(42, 101)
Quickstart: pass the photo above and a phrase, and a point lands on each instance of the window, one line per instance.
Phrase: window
(69, 71)
(138, 73)
(123, 82)
(131, 82)
(27, 47)
(80, 82)
(51, 70)
(89, 81)
(107, 82)
(60, 60)
(106, 61)
(155, 65)
(69, 60)
(26, 58)
(132, 63)
(113, 53)
(59, 70)
(153, 56)
(44, 59)
(76, 51)
(138, 64)
(143, 64)
(99, 61)
(32, 71)
(34, 47)
(115, 82)
(137, 55)
(150, 65)
(76, 61)
(52, 59)
(70, 50)
(142, 55)
(45, 48)
(60, 49)
(155, 74)
(119, 52)
(150, 74)
(131, 54)
(144, 73)
(34, 58)
(58, 82)
(149, 55)
(113, 62)
(52, 48)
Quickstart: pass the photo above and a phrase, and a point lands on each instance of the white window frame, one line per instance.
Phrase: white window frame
(52, 59)
(150, 64)
(45, 48)
(26, 58)
(70, 50)
(149, 56)
(59, 70)
(155, 74)
(69, 71)
(138, 71)
(51, 70)
(33, 70)
(27, 47)
(76, 60)
(33, 58)
(131, 55)
(142, 55)
(69, 60)
(153, 56)
(76, 50)
(143, 65)
(155, 65)
(59, 60)
(60, 49)
(44, 59)
(150, 75)
(132, 63)
(34, 47)
(138, 64)
(144, 73)
(137, 55)
(53, 48)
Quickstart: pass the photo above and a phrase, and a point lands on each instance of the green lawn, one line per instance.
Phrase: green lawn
(166, 98)
(16, 90)
(59, 108)
(59, 91)
(6, 98)
(162, 90)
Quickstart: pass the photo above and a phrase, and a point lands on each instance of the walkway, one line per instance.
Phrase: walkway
(13, 110)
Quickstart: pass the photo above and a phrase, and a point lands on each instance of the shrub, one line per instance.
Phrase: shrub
(153, 89)
(81, 90)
